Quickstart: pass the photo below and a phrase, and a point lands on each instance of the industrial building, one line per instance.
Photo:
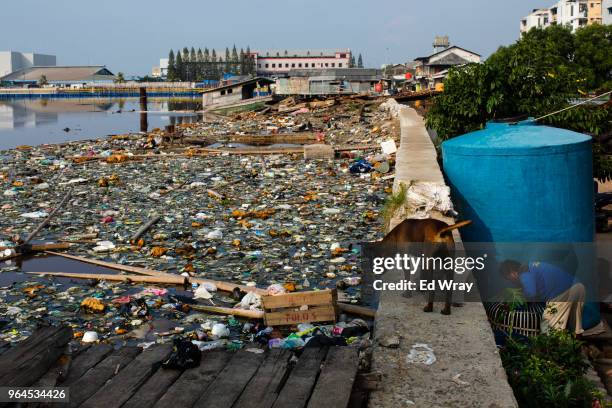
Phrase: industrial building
(279, 63)
(11, 61)
(339, 81)
(60, 76)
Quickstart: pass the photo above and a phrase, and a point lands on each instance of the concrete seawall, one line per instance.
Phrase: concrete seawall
(468, 371)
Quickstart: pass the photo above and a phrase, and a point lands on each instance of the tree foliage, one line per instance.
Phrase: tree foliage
(541, 73)
(190, 64)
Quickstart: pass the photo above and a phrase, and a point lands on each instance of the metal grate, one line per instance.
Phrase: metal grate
(525, 321)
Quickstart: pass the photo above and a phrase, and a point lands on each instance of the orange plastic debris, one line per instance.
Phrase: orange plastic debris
(158, 251)
(92, 305)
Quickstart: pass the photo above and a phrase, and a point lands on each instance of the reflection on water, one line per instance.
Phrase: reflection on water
(37, 121)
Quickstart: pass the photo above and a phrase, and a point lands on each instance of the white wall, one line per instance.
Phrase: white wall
(11, 61)
(606, 11)
(457, 51)
(539, 18)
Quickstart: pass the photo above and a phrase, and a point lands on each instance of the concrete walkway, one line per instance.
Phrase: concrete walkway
(468, 371)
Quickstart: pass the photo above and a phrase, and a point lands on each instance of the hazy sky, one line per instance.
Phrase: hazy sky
(131, 35)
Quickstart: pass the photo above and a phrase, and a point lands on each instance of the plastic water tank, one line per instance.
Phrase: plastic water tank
(522, 183)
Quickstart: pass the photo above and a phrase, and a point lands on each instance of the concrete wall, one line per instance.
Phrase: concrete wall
(11, 61)
(40, 60)
(606, 11)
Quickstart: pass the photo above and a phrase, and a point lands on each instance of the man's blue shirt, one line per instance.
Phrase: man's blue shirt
(544, 281)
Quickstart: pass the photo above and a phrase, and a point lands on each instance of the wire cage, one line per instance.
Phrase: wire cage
(524, 321)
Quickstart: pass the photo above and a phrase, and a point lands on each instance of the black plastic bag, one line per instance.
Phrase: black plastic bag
(184, 355)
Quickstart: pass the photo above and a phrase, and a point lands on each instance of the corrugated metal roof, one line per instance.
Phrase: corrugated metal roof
(248, 81)
(61, 74)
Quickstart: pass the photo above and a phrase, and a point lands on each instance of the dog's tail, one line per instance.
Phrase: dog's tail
(460, 224)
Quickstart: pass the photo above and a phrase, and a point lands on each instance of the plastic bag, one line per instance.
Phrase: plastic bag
(184, 355)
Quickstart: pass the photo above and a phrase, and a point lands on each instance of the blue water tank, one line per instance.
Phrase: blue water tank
(522, 183)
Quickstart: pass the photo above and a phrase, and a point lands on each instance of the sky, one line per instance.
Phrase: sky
(131, 36)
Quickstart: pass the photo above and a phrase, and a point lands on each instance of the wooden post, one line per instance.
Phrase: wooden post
(144, 120)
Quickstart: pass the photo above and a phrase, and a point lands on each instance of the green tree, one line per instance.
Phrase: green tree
(214, 71)
(242, 62)
(360, 62)
(179, 68)
(228, 61)
(42, 81)
(352, 61)
(199, 65)
(250, 62)
(207, 66)
(235, 60)
(171, 75)
(185, 74)
(120, 78)
(537, 75)
(592, 54)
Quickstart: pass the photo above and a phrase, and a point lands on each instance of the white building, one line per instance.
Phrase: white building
(606, 11)
(161, 71)
(11, 61)
(539, 18)
(575, 13)
(279, 63)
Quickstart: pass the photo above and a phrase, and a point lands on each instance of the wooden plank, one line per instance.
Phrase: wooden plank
(313, 314)
(335, 383)
(297, 389)
(262, 390)
(188, 388)
(153, 389)
(121, 387)
(29, 363)
(22, 349)
(297, 299)
(93, 379)
(228, 386)
(85, 361)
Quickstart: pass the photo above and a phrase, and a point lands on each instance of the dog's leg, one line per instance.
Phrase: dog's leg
(448, 296)
(428, 275)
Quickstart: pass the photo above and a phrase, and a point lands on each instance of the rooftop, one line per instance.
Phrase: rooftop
(61, 73)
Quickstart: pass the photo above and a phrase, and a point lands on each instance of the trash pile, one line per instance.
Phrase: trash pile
(268, 221)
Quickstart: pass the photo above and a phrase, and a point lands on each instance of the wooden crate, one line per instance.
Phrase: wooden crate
(283, 310)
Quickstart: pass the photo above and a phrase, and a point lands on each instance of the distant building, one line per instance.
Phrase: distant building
(432, 70)
(279, 63)
(61, 76)
(538, 18)
(11, 61)
(606, 11)
(162, 70)
(338, 81)
(573, 13)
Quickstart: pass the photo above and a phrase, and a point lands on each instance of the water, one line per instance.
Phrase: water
(37, 121)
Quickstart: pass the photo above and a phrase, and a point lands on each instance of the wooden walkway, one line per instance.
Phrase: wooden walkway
(99, 376)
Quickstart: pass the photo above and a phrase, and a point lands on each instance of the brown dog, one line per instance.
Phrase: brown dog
(436, 239)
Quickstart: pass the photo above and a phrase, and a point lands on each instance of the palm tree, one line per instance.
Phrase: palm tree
(120, 78)
(42, 81)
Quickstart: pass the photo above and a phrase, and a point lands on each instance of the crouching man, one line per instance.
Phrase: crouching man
(543, 282)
